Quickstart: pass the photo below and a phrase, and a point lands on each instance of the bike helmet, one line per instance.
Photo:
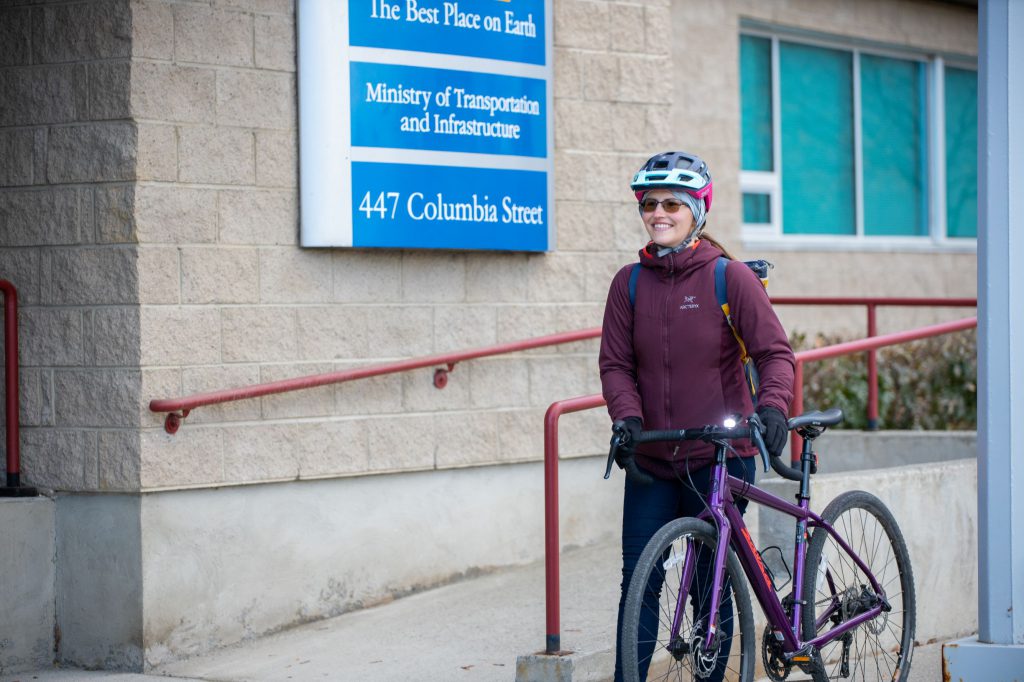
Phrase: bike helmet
(675, 171)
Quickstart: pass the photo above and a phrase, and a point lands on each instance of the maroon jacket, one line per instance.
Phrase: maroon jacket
(673, 361)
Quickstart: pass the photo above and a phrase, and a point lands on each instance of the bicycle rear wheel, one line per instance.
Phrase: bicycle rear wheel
(649, 649)
(836, 590)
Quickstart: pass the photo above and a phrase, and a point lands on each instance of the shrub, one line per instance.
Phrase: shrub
(927, 384)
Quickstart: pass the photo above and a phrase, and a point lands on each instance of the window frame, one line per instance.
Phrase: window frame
(770, 235)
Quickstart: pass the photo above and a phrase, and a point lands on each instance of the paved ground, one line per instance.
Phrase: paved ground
(470, 631)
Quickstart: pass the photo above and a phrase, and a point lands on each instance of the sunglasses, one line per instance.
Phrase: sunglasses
(651, 205)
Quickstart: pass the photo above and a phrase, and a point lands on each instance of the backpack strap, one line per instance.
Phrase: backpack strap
(722, 295)
(634, 275)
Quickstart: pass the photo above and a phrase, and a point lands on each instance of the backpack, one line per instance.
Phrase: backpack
(760, 268)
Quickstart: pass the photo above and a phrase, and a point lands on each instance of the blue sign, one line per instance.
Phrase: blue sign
(409, 107)
(510, 30)
(440, 207)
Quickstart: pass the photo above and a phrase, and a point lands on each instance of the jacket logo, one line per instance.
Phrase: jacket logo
(689, 303)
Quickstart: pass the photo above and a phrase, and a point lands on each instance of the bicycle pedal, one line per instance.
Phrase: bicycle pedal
(808, 660)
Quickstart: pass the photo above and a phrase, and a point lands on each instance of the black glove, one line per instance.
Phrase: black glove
(775, 429)
(624, 456)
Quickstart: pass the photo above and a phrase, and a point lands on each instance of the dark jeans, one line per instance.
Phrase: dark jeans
(646, 509)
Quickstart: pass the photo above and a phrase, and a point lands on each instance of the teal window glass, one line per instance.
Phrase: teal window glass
(816, 92)
(757, 208)
(756, 102)
(961, 105)
(895, 146)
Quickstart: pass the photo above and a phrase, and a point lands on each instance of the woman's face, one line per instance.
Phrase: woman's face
(666, 229)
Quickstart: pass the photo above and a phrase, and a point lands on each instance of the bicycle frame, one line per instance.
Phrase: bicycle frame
(732, 531)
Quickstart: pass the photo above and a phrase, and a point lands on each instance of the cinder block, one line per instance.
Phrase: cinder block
(262, 452)
(175, 215)
(21, 268)
(180, 336)
(568, 77)
(599, 276)
(374, 396)
(466, 439)
(526, 322)
(156, 152)
(626, 26)
(419, 394)
(212, 36)
(601, 76)
(44, 94)
(277, 159)
(497, 382)
(218, 274)
(307, 402)
(290, 275)
(584, 434)
(119, 454)
(89, 276)
(521, 435)
(256, 99)
(435, 278)
(367, 277)
(332, 448)
(216, 155)
(152, 30)
(553, 379)
(170, 92)
(193, 457)
(39, 217)
(96, 397)
(463, 327)
(115, 214)
(159, 279)
(15, 36)
(327, 333)
(109, 90)
(260, 334)
(16, 149)
(217, 378)
(405, 443)
(258, 217)
(631, 65)
(275, 42)
(80, 32)
(558, 277)
(658, 28)
(582, 23)
(629, 122)
(93, 153)
(259, 6)
(55, 458)
(35, 393)
(400, 331)
(164, 383)
(581, 124)
(51, 337)
(581, 222)
(112, 336)
(496, 278)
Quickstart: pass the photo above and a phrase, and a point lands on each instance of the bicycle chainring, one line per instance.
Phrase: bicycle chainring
(775, 664)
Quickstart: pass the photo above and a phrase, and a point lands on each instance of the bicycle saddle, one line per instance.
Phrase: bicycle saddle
(817, 420)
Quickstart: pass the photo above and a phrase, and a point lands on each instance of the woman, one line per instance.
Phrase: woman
(669, 359)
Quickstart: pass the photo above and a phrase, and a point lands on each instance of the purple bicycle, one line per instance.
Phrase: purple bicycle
(850, 612)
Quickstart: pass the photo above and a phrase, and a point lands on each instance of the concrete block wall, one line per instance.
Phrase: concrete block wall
(67, 173)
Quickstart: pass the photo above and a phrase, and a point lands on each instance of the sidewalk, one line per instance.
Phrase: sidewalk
(469, 631)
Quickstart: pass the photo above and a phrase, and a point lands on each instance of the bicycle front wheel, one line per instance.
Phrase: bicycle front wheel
(837, 590)
(651, 650)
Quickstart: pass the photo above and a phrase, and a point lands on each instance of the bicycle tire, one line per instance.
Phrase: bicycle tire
(663, 556)
(883, 647)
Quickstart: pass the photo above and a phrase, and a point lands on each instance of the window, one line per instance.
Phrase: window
(855, 143)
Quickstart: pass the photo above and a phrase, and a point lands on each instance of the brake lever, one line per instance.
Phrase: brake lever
(633, 472)
(756, 427)
(617, 434)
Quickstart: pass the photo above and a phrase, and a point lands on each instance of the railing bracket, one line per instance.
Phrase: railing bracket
(441, 375)
(173, 421)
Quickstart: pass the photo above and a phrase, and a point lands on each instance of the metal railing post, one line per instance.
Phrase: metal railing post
(553, 639)
(872, 371)
(13, 487)
(798, 408)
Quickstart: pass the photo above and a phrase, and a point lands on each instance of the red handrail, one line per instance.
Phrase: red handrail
(556, 409)
(13, 487)
(189, 403)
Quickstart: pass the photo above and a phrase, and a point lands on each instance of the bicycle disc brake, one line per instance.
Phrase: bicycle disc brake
(704, 662)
